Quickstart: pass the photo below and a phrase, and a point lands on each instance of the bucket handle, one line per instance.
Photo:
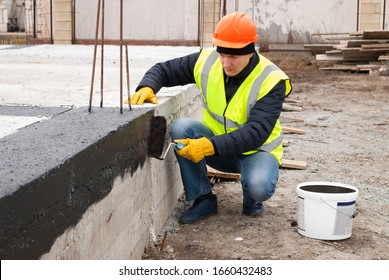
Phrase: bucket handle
(350, 216)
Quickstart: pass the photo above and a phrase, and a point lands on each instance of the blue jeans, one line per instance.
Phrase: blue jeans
(259, 171)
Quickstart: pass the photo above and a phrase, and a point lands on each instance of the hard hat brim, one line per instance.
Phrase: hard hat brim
(232, 45)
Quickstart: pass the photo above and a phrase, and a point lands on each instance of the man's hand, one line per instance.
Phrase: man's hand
(145, 94)
(195, 149)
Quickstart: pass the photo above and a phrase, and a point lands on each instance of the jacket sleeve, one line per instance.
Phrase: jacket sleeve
(262, 119)
(174, 72)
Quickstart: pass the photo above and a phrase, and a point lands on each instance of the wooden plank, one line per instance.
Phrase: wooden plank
(332, 52)
(285, 143)
(375, 34)
(293, 164)
(216, 173)
(327, 57)
(288, 129)
(356, 34)
(289, 118)
(291, 100)
(319, 48)
(341, 67)
(376, 51)
(383, 57)
(328, 33)
(354, 54)
(368, 66)
(374, 46)
(359, 43)
(288, 107)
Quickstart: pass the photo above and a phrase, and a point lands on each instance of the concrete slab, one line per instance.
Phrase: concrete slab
(60, 76)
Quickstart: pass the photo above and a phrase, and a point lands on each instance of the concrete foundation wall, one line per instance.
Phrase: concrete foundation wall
(92, 192)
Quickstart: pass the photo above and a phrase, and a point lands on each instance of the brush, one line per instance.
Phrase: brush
(157, 136)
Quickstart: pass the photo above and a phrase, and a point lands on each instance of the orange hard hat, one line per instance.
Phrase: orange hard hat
(235, 30)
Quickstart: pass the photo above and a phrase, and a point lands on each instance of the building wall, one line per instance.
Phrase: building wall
(191, 22)
(372, 15)
(3, 15)
(294, 21)
(63, 21)
(143, 20)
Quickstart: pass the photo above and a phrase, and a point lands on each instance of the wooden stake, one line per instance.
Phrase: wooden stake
(293, 164)
(163, 241)
(287, 129)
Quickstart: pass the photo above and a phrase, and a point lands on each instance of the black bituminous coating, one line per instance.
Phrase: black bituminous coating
(326, 189)
(156, 140)
(51, 172)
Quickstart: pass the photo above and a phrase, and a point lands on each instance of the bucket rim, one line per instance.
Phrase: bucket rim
(326, 183)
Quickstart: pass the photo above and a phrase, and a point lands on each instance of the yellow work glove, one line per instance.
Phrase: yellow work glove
(196, 149)
(145, 94)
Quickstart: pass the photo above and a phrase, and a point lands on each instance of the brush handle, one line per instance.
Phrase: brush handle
(180, 146)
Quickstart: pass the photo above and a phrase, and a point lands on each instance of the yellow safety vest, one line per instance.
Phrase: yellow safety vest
(221, 117)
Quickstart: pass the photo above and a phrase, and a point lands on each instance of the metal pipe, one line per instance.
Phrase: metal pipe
(51, 23)
(383, 16)
(128, 79)
(94, 55)
(102, 55)
(357, 15)
(121, 56)
(34, 19)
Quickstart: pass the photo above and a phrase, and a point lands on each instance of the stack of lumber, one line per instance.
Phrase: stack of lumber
(357, 52)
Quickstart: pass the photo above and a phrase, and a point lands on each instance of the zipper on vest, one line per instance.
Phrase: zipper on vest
(224, 117)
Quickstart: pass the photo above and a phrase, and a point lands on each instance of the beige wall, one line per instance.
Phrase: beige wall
(62, 16)
(371, 14)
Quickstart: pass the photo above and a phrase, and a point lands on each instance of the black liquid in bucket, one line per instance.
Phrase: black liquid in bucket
(326, 189)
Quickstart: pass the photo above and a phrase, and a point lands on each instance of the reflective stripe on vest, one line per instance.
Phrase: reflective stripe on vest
(252, 99)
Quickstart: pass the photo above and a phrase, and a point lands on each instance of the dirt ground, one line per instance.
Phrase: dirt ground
(346, 124)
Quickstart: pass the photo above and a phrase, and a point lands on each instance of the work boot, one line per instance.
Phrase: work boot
(203, 207)
(253, 210)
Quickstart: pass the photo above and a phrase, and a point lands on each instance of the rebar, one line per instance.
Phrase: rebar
(102, 55)
(94, 55)
(121, 56)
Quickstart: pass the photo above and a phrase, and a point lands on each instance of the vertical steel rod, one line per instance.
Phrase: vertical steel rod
(128, 78)
(94, 55)
(102, 55)
(121, 56)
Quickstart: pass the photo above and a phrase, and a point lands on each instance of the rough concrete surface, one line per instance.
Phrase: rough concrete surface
(346, 141)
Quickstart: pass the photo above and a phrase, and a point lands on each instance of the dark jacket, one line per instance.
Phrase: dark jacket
(263, 115)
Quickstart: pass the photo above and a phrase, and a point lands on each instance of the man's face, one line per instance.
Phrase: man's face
(234, 64)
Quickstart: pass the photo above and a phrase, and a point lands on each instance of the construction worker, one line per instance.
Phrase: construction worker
(242, 94)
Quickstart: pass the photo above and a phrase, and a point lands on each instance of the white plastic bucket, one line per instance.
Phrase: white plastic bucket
(326, 210)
